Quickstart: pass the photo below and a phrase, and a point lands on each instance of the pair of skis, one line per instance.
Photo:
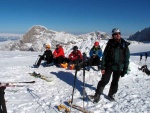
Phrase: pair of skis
(38, 75)
(67, 110)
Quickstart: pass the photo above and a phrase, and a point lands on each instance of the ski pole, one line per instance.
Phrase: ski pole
(140, 57)
(84, 57)
(74, 85)
(139, 63)
(146, 55)
(75, 79)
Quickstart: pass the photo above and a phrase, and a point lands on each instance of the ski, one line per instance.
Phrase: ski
(38, 75)
(16, 82)
(79, 108)
(11, 85)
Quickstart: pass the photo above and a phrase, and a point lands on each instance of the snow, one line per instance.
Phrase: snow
(133, 95)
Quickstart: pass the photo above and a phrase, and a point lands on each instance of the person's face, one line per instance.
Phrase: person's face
(75, 51)
(57, 46)
(95, 46)
(117, 36)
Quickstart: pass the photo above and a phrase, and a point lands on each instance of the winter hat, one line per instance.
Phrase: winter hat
(75, 48)
(47, 46)
(96, 44)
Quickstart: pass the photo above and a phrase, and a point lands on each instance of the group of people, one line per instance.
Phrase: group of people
(58, 58)
(115, 61)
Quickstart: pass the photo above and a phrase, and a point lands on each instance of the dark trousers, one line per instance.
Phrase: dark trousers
(105, 79)
(2, 102)
(75, 61)
(59, 60)
(47, 59)
(94, 61)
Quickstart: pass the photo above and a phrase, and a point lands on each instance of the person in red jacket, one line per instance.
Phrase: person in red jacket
(75, 56)
(58, 55)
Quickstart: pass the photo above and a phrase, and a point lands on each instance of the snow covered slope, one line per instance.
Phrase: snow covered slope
(133, 95)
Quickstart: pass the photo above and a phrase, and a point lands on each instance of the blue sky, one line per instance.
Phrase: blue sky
(75, 16)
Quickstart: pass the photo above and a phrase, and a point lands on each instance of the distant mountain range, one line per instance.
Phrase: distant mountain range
(9, 36)
(142, 36)
(37, 36)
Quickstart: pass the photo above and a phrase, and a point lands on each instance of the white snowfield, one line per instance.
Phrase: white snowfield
(133, 95)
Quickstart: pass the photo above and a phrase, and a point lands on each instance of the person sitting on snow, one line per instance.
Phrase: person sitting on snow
(58, 55)
(75, 56)
(145, 69)
(95, 55)
(47, 56)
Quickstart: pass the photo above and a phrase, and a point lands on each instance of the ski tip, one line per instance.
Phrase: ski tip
(33, 81)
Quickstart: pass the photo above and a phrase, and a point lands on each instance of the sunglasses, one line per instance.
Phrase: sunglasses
(117, 34)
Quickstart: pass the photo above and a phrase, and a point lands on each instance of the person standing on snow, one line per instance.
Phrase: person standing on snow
(95, 55)
(75, 56)
(58, 55)
(115, 60)
(47, 56)
(2, 100)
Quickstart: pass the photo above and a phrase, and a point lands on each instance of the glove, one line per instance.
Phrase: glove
(124, 72)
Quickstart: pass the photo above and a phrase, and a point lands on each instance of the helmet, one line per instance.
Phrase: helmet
(96, 44)
(75, 48)
(47, 46)
(115, 30)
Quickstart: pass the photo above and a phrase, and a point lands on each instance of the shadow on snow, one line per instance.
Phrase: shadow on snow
(69, 79)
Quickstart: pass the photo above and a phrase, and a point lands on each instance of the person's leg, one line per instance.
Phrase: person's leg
(114, 84)
(49, 60)
(39, 61)
(96, 62)
(2, 102)
(4, 107)
(101, 84)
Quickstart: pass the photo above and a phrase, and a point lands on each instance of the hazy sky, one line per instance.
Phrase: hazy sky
(75, 16)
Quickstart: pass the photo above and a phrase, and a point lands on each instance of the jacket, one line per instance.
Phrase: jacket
(59, 52)
(75, 55)
(116, 55)
(47, 53)
(96, 51)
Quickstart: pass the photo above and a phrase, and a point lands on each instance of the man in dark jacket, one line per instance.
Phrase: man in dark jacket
(115, 60)
(47, 56)
(2, 100)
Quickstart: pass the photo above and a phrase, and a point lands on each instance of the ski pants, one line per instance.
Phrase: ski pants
(105, 80)
(94, 61)
(2, 102)
(59, 60)
(48, 60)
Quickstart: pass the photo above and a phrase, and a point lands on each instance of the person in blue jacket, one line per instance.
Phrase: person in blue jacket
(95, 55)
